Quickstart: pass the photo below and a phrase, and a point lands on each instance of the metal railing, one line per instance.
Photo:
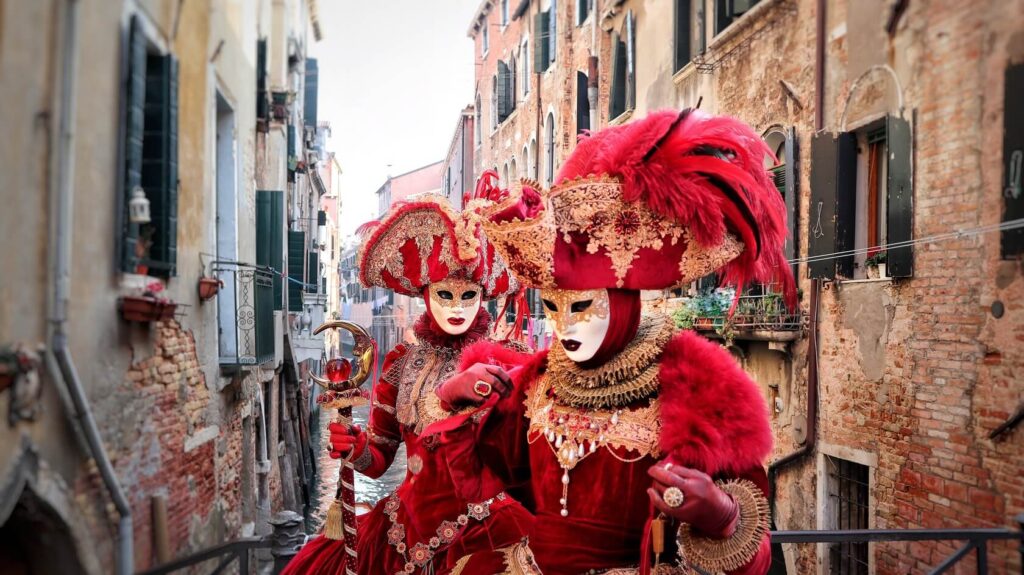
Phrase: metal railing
(238, 550)
(765, 312)
(245, 313)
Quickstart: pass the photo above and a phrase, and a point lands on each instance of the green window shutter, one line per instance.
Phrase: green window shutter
(502, 85)
(270, 237)
(582, 103)
(540, 39)
(309, 104)
(313, 272)
(296, 259)
(262, 103)
(833, 201)
(683, 31)
(135, 101)
(584, 8)
(160, 163)
(617, 101)
(899, 198)
(790, 193)
(1013, 160)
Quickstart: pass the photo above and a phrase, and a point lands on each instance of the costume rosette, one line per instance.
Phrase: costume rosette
(643, 447)
(425, 249)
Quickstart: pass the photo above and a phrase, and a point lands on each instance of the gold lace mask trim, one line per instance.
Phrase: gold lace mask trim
(456, 290)
(562, 316)
(629, 376)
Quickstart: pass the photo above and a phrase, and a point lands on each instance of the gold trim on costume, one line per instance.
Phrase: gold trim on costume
(733, 552)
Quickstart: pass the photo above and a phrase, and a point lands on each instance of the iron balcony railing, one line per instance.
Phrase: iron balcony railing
(245, 314)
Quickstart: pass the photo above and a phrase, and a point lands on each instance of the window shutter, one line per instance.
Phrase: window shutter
(160, 162)
(552, 31)
(584, 7)
(262, 104)
(313, 272)
(270, 236)
(630, 61)
(682, 33)
(617, 101)
(296, 259)
(899, 198)
(135, 102)
(833, 199)
(309, 103)
(541, 45)
(791, 193)
(582, 103)
(321, 218)
(502, 87)
(1013, 160)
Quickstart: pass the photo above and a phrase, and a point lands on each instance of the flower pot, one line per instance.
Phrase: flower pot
(881, 270)
(704, 323)
(146, 309)
(208, 288)
(873, 272)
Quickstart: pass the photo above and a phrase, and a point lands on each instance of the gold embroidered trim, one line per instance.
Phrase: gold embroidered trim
(519, 559)
(417, 374)
(718, 555)
(698, 261)
(381, 440)
(629, 376)
(658, 570)
(527, 245)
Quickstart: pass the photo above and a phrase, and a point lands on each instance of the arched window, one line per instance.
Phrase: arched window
(549, 150)
(513, 174)
(524, 56)
(504, 175)
(478, 125)
(532, 171)
(526, 163)
(494, 103)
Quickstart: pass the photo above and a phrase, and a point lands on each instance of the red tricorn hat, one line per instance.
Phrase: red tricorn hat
(425, 241)
(653, 204)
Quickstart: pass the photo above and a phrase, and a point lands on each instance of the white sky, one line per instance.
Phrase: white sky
(394, 75)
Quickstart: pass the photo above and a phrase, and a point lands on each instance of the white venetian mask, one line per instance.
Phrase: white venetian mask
(454, 304)
(579, 318)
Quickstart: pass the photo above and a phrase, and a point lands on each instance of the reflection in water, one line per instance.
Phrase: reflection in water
(371, 491)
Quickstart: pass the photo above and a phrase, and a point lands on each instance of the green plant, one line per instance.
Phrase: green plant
(874, 260)
(683, 316)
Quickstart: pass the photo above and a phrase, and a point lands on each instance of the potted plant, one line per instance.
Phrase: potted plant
(684, 316)
(875, 265)
(208, 287)
(147, 307)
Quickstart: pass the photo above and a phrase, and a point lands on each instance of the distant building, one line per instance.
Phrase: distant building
(457, 172)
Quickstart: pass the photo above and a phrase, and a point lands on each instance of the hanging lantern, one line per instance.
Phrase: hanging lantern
(138, 207)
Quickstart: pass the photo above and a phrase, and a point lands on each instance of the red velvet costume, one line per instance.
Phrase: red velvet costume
(424, 526)
(649, 205)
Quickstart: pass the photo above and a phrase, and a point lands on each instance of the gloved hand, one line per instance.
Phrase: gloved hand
(347, 439)
(474, 385)
(707, 508)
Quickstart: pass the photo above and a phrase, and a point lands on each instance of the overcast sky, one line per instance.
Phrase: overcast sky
(394, 75)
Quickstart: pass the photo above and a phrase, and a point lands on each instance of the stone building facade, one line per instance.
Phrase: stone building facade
(891, 122)
(144, 420)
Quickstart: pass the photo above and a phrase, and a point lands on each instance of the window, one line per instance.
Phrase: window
(505, 82)
(582, 103)
(504, 12)
(1013, 161)
(542, 47)
(552, 31)
(848, 508)
(526, 164)
(513, 173)
(494, 103)
(728, 11)
(524, 56)
(549, 150)
(582, 11)
(861, 200)
(689, 31)
(477, 123)
(151, 158)
(512, 73)
(783, 171)
(485, 41)
(533, 172)
(623, 96)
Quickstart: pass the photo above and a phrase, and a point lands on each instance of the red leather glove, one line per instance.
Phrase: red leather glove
(474, 385)
(706, 507)
(347, 439)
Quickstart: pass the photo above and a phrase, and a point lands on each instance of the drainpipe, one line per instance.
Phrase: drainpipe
(812, 400)
(61, 205)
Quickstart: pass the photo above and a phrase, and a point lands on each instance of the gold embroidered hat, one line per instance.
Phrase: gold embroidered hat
(425, 241)
(653, 204)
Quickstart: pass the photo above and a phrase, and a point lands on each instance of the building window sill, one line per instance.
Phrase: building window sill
(621, 118)
(744, 21)
(684, 73)
(866, 281)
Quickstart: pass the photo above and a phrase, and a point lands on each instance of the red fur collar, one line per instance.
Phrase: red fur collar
(427, 331)
(713, 415)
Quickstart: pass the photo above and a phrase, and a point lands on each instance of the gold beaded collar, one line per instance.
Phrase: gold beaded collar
(629, 376)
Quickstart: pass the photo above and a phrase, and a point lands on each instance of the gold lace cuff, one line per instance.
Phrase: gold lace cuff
(718, 555)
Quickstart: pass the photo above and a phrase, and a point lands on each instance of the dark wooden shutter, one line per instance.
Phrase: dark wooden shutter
(1013, 160)
(833, 199)
(899, 198)
(791, 193)
(313, 272)
(683, 31)
(310, 101)
(160, 162)
(321, 218)
(630, 60)
(552, 31)
(296, 259)
(540, 42)
(262, 103)
(134, 61)
(270, 237)
(582, 103)
(502, 87)
(617, 101)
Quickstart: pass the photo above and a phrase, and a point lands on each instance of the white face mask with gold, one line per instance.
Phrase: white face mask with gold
(454, 304)
(579, 318)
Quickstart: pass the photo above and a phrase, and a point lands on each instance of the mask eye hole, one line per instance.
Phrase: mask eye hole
(468, 295)
(549, 305)
(579, 306)
(445, 294)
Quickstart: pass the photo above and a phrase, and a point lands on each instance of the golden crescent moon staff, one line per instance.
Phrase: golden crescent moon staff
(343, 396)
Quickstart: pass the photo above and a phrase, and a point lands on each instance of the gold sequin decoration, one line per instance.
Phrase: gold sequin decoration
(719, 555)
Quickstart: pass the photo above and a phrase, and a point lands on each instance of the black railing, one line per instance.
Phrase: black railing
(233, 551)
(245, 313)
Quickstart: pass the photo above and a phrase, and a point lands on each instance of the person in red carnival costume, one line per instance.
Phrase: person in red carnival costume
(644, 448)
(425, 249)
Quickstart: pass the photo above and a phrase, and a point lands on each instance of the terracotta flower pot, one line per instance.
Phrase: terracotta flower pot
(208, 288)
